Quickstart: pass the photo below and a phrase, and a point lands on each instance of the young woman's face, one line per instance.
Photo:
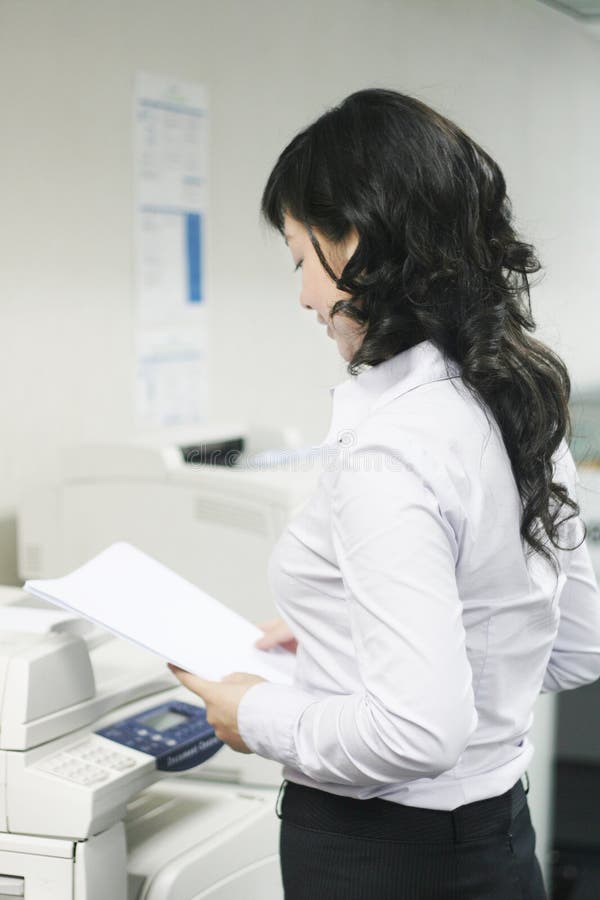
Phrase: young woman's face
(318, 291)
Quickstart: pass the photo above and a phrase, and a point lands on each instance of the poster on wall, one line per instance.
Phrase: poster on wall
(171, 198)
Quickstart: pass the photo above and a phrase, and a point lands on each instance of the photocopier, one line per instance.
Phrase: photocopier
(92, 730)
(89, 810)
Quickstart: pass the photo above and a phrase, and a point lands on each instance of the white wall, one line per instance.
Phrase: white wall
(520, 77)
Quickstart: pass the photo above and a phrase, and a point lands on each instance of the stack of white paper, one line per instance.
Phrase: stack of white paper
(139, 599)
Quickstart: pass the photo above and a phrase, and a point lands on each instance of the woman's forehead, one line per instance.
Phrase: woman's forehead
(291, 228)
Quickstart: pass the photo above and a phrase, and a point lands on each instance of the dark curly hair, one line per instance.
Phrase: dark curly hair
(438, 259)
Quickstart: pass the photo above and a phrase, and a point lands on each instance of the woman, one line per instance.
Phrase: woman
(438, 578)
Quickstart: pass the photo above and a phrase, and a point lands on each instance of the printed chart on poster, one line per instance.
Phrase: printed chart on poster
(171, 199)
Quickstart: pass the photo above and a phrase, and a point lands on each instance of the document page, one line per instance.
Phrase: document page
(140, 599)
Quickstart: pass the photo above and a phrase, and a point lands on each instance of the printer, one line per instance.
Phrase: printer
(209, 505)
(92, 729)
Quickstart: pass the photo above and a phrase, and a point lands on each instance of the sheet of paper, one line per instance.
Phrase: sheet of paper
(171, 198)
(138, 598)
(171, 378)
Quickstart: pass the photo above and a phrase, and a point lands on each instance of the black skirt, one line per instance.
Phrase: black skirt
(340, 848)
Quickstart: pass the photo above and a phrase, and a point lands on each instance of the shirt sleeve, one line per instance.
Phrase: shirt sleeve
(575, 657)
(415, 712)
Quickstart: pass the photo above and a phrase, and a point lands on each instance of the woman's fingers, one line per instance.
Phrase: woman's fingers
(235, 678)
(276, 633)
(267, 626)
(194, 683)
(241, 678)
(221, 699)
(266, 642)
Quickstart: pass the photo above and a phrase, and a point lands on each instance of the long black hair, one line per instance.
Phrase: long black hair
(438, 259)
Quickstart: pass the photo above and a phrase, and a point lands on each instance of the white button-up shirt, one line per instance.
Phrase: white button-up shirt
(425, 631)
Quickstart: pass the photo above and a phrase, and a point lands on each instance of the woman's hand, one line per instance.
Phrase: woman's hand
(276, 634)
(221, 699)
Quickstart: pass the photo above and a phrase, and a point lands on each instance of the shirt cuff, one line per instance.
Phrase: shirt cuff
(267, 718)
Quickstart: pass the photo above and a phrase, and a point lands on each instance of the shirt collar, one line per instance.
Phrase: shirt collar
(359, 395)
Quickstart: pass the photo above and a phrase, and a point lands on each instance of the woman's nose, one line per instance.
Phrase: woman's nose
(304, 302)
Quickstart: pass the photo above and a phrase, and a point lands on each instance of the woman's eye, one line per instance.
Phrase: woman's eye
(298, 265)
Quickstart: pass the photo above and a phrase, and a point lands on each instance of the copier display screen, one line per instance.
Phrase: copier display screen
(164, 720)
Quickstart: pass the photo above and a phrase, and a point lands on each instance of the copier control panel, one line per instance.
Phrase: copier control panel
(176, 734)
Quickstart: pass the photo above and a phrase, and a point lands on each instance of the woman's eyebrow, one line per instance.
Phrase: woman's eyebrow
(287, 238)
